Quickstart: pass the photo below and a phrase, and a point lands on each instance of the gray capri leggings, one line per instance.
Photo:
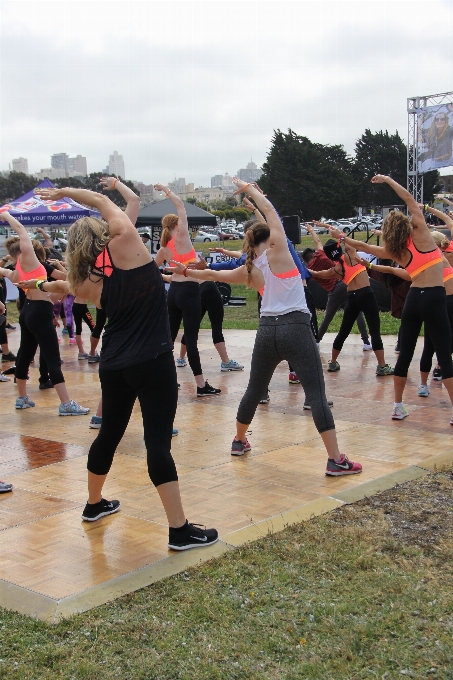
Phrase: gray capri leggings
(288, 337)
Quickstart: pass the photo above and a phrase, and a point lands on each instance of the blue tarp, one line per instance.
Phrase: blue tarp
(32, 211)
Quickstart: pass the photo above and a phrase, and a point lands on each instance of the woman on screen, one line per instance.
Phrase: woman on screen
(439, 138)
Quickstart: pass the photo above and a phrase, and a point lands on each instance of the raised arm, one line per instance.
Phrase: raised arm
(418, 221)
(179, 205)
(48, 243)
(314, 235)
(377, 251)
(10, 274)
(254, 210)
(28, 256)
(56, 287)
(331, 273)
(227, 253)
(277, 233)
(450, 203)
(442, 216)
(131, 198)
(118, 221)
(384, 269)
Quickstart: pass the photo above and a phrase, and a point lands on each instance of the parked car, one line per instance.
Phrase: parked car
(228, 234)
(205, 237)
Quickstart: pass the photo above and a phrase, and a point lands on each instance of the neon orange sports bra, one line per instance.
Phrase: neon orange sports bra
(449, 248)
(38, 273)
(185, 258)
(351, 271)
(291, 274)
(448, 273)
(103, 263)
(420, 261)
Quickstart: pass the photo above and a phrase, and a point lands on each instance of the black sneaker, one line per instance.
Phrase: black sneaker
(191, 536)
(46, 386)
(94, 511)
(9, 327)
(9, 357)
(437, 374)
(266, 399)
(397, 348)
(207, 390)
(307, 406)
(9, 371)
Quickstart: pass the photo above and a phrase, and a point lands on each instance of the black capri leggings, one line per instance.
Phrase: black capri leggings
(36, 328)
(426, 359)
(154, 384)
(212, 303)
(184, 304)
(81, 313)
(428, 306)
(101, 318)
(287, 337)
(361, 300)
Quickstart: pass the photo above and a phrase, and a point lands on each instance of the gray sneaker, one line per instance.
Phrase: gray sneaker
(5, 487)
(82, 355)
(384, 370)
(333, 366)
(72, 409)
(231, 366)
(93, 358)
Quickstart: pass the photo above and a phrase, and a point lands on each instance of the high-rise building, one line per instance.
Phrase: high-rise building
(20, 165)
(60, 161)
(77, 166)
(116, 165)
(216, 181)
(251, 173)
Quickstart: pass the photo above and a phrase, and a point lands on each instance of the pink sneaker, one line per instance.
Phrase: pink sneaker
(72, 341)
(342, 467)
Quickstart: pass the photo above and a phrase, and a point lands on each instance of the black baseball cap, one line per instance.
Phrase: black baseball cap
(333, 250)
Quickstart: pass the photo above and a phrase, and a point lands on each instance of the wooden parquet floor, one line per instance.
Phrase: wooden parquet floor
(53, 564)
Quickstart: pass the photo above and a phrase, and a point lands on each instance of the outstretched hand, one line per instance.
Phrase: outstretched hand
(4, 216)
(178, 267)
(50, 194)
(108, 182)
(161, 187)
(334, 231)
(248, 204)
(31, 283)
(376, 232)
(241, 185)
(379, 179)
(199, 264)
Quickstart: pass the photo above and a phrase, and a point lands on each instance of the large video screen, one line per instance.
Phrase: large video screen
(435, 137)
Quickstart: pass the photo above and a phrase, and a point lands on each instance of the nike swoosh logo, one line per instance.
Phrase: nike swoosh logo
(200, 539)
(345, 466)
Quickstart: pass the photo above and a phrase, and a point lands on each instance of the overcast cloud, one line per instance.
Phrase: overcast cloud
(193, 89)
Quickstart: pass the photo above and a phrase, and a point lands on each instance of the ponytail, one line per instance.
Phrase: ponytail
(255, 235)
(168, 223)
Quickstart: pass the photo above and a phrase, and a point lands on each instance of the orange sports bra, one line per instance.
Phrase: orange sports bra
(291, 274)
(38, 273)
(449, 248)
(351, 271)
(103, 263)
(448, 273)
(420, 261)
(185, 258)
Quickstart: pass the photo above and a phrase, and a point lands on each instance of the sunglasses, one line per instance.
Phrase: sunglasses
(440, 120)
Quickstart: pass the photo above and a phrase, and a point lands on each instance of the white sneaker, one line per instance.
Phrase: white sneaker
(366, 347)
(399, 412)
(423, 391)
(4, 378)
(180, 363)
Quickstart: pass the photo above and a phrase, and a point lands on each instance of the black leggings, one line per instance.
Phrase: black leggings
(184, 304)
(426, 359)
(361, 300)
(81, 313)
(36, 328)
(154, 384)
(428, 306)
(212, 303)
(101, 318)
(287, 337)
(312, 308)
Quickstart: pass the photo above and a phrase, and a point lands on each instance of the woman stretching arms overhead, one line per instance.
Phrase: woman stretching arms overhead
(410, 244)
(109, 265)
(284, 329)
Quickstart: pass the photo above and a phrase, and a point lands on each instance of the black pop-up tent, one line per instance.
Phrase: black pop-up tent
(151, 216)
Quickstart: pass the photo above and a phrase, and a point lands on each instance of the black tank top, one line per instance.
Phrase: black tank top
(135, 304)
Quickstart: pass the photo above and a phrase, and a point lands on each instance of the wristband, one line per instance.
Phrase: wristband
(113, 185)
(370, 265)
(40, 286)
(168, 193)
(185, 271)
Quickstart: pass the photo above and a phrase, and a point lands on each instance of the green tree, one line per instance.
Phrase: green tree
(385, 154)
(191, 200)
(241, 214)
(202, 205)
(219, 213)
(16, 185)
(307, 179)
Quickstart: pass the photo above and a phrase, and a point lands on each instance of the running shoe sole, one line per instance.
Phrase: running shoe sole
(101, 514)
(73, 414)
(180, 548)
(401, 417)
(342, 473)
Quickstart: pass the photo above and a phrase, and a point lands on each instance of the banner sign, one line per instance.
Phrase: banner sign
(435, 136)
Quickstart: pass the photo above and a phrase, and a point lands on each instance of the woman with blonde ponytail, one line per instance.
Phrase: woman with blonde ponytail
(183, 299)
(284, 329)
(136, 359)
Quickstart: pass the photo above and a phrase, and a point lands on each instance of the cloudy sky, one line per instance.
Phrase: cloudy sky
(193, 89)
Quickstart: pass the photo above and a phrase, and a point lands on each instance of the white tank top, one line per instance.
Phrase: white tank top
(283, 293)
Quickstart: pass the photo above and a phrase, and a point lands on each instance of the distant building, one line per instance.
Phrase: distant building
(116, 165)
(77, 166)
(50, 173)
(20, 165)
(205, 194)
(60, 161)
(216, 181)
(251, 173)
(446, 180)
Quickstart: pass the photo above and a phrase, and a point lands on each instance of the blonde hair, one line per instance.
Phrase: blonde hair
(256, 234)
(396, 230)
(440, 239)
(168, 222)
(87, 238)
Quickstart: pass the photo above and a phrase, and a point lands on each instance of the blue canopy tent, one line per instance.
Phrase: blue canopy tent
(32, 211)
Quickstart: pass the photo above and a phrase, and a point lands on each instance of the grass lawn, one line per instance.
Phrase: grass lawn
(364, 592)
